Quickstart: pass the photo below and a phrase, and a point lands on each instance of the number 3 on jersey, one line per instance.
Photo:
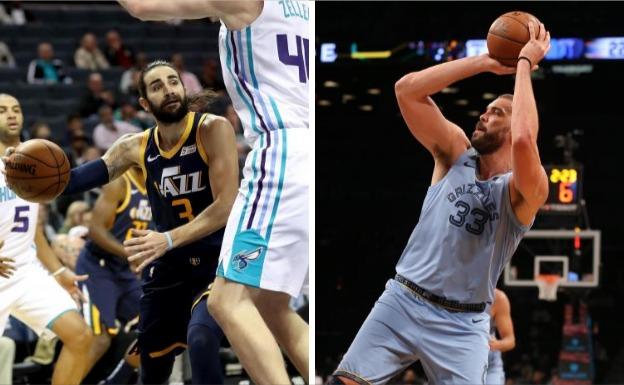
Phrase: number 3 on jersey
(188, 209)
(301, 60)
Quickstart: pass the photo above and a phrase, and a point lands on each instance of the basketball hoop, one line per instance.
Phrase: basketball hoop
(547, 285)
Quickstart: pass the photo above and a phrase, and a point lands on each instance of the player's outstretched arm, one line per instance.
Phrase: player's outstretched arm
(444, 140)
(104, 214)
(65, 277)
(529, 183)
(188, 9)
(504, 324)
(122, 155)
(219, 144)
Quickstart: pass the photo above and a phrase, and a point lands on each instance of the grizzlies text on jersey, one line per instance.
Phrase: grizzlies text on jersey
(467, 227)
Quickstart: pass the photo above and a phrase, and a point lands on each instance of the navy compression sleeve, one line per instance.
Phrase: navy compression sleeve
(87, 176)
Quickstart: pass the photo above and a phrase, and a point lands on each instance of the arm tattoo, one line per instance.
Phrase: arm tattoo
(118, 157)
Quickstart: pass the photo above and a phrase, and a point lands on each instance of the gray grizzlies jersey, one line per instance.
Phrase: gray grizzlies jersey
(466, 233)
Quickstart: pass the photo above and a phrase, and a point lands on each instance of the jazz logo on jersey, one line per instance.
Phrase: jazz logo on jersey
(174, 183)
(142, 212)
(241, 260)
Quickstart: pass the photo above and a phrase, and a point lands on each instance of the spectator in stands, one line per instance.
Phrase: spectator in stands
(40, 130)
(46, 69)
(96, 96)
(190, 81)
(130, 78)
(88, 56)
(78, 144)
(74, 216)
(90, 153)
(74, 124)
(210, 77)
(109, 130)
(12, 13)
(117, 53)
(6, 57)
(129, 114)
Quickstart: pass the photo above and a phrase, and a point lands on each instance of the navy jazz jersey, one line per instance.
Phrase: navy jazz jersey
(177, 182)
(133, 213)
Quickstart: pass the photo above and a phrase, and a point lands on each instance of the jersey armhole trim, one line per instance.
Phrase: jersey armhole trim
(128, 193)
(135, 183)
(512, 214)
(200, 145)
(142, 149)
(457, 162)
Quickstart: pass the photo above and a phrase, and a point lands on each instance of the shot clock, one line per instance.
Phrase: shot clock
(564, 194)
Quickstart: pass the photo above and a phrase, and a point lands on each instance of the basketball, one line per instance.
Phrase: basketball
(507, 35)
(38, 170)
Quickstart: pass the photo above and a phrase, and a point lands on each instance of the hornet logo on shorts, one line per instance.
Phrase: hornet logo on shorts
(241, 259)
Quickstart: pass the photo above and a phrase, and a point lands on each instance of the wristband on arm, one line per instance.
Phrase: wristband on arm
(169, 241)
(87, 176)
(527, 59)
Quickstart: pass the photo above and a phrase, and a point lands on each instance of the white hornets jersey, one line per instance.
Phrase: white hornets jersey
(266, 68)
(18, 221)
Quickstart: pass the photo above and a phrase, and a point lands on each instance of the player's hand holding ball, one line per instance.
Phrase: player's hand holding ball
(508, 35)
(495, 67)
(538, 45)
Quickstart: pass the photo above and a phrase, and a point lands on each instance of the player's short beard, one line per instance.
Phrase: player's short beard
(488, 143)
(163, 115)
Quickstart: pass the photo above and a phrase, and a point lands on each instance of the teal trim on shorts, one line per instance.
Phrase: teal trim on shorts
(247, 261)
(51, 323)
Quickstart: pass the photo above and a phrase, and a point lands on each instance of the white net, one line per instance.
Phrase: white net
(548, 285)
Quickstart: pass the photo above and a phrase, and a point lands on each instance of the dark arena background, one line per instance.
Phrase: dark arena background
(69, 99)
(372, 175)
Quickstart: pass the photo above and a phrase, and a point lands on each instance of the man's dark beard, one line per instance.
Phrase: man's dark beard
(487, 143)
(165, 116)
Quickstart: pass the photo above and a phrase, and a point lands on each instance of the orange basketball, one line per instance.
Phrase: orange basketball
(507, 35)
(38, 170)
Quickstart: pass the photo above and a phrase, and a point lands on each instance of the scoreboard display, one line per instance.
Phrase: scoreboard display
(564, 193)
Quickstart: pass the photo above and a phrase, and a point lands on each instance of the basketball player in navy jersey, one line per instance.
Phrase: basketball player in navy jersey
(483, 197)
(501, 324)
(190, 164)
(113, 290)
(264, 50)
